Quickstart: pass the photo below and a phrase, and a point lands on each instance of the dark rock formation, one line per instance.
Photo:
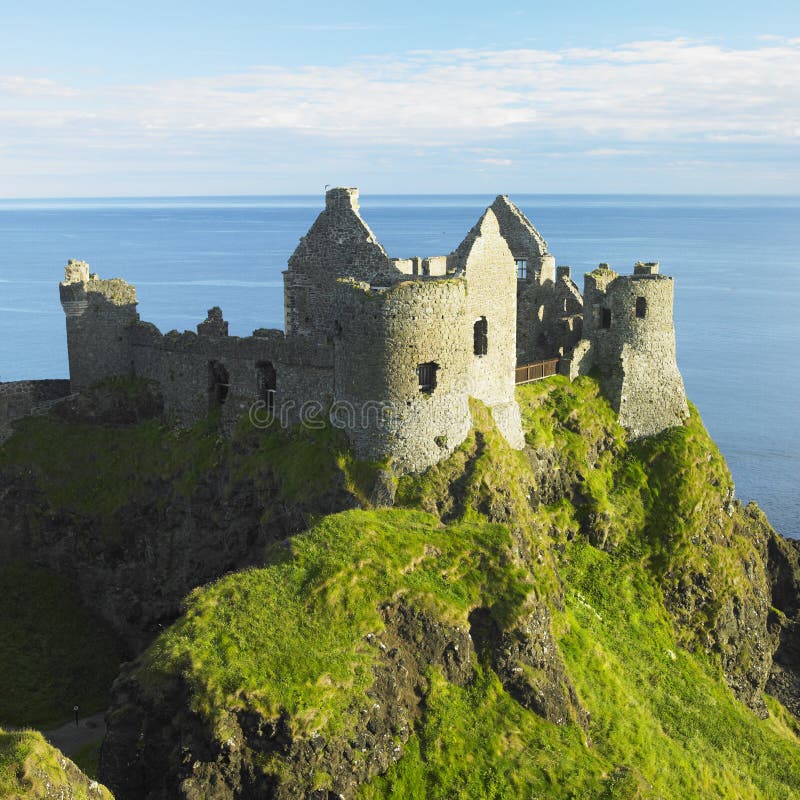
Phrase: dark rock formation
(783, 562)
(163, 750)
(529, 664)
(135, 565)
(116, 401)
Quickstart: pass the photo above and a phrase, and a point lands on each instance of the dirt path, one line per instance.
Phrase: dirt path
(69, 737)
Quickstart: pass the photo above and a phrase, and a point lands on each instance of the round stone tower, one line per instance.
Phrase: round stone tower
(402, 360)
(628, 320)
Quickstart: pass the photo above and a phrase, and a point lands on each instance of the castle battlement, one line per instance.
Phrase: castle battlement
(393, 348)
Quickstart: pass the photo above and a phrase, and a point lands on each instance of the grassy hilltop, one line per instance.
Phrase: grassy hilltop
(583, 619)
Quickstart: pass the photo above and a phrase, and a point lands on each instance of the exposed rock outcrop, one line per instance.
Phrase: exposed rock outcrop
(783, 562)
(163, 750)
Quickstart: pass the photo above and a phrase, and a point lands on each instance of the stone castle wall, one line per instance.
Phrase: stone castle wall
(188, 367)
(491, 274)
(524, 241)
(550, 318)
(99, 314)
(383, 338)
(368, 337)
(338, 244)
(20, 399)
(629, 322)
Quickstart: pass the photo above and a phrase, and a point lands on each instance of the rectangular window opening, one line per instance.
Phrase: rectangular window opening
(480, 334)
(426, 374)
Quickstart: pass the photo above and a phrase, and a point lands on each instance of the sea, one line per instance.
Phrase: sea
(735, 260)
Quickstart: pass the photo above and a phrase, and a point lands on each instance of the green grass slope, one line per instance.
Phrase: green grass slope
(638, 550)
(30, 769)
(53, 653)
(98, 470)
(292, 635)
(663, 722)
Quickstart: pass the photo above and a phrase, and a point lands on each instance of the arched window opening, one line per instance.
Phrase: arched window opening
(605, 317)
(267, 384)
(480, 334)
(219, 383)
(641, 307)
(426, 374)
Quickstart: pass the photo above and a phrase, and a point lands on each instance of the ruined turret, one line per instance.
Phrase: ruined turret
(99, 314)
(629, 327)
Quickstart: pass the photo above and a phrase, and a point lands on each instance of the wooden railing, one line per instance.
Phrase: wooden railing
(536, 371)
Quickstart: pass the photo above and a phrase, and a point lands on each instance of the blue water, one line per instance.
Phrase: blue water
(736, 263)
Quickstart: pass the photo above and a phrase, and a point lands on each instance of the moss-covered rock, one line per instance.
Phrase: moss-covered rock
(30, 769)
(584, 618)
(320, 661)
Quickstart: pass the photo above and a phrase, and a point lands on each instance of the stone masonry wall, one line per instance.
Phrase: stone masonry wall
(548, 302)
(384, 336)
(524, 241)
(550, 318)
(635, 354)
(99, 316)
(338, 245)
(21, 398)
(492, 297)
(181, 363)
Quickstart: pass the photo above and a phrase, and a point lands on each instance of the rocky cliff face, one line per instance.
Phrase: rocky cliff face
(783, 563)
(184, 508)
(30, 768)
(157, 747)
(729, 582)
(163, 750)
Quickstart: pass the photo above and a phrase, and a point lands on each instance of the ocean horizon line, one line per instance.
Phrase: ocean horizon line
(378, 200)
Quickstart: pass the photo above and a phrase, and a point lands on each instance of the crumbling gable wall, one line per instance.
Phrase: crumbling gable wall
(338, 245)
(486, 262)
(524, 241)
(549, 305)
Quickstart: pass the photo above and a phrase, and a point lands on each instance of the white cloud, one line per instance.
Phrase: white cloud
(641, 90)
(594, 102)
(18, 86)
(613, 152)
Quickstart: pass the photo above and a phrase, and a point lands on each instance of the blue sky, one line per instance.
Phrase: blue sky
(259, 98)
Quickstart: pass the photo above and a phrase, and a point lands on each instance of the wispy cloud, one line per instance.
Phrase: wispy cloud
(613, 152)
(641, 90)
(21, 86)
(332, 26)
(600, 102)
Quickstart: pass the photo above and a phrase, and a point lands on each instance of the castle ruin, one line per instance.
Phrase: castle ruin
(391, 349)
